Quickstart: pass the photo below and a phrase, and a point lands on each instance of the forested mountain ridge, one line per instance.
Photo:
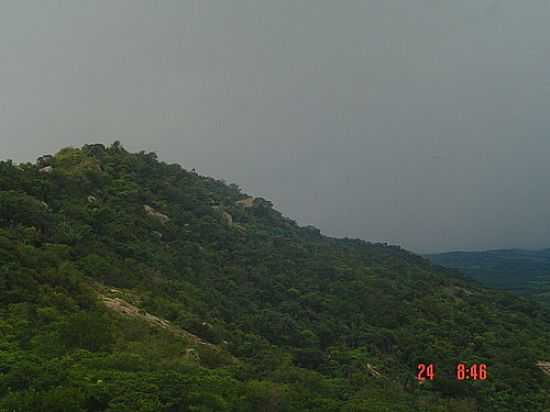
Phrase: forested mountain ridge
(523, 272)
(296, 321)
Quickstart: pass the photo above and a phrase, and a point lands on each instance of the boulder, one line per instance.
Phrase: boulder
(544, 366)
(254, 202)
(162, 218)
(227, 218)
(248, 202)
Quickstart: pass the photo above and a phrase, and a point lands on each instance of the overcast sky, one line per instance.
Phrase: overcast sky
(424, 123)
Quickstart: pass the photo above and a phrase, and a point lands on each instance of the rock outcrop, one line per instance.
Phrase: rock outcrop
(123, 307)
(227, 218)
(162, 218)
(248, 202)
(544, 366)
(254, 202)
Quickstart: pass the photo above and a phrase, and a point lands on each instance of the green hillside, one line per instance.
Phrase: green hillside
(128, 284)
(523, 272)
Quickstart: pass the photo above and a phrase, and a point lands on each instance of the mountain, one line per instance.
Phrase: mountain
(524, 272)
(129, 284)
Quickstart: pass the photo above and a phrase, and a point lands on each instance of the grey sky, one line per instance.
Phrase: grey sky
(424, 123)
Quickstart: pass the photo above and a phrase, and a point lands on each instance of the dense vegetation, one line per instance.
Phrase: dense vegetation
(523, 272)
(294, 321)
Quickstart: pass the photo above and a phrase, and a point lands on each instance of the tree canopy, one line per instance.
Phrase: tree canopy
(106, 307)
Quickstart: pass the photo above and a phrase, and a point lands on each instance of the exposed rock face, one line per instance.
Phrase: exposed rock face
(254, 202)
(47, 169)
(162, 218)
(121, 306)
(544, 366)
(128, 309)
(227, 218)
(248, 202)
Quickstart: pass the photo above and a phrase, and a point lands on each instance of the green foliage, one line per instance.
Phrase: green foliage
(283, 318)
(522, 272)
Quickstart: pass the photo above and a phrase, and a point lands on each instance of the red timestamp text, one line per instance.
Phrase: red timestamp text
(425, 371)
(475, 372)
(463, 372)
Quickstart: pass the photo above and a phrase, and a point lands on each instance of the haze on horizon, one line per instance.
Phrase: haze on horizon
(421, 123)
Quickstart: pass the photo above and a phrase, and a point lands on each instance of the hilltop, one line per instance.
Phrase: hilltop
(129, 284)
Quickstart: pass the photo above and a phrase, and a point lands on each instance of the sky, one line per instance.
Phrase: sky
(422, 123)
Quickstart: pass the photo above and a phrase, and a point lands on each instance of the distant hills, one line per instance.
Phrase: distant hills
(524, 272)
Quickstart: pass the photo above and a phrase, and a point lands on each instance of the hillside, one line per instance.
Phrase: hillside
(128, 284)
(523, 272)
